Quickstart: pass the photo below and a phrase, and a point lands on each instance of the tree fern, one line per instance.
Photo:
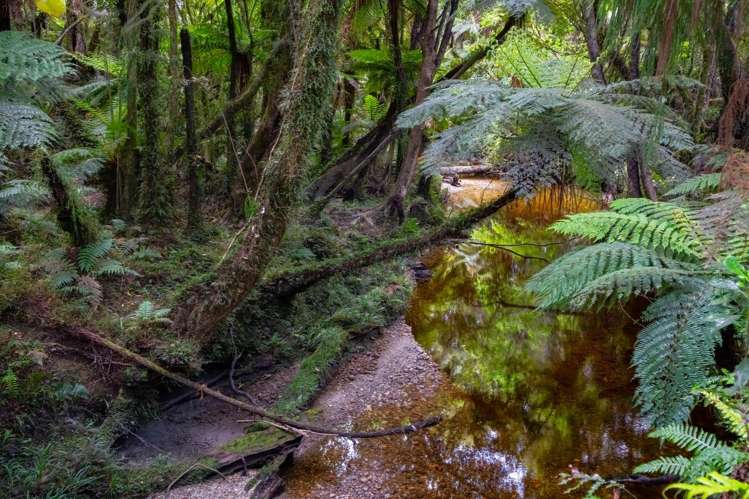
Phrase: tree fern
(675, 351)
(491, 112)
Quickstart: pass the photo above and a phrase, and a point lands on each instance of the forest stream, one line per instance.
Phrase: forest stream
(526, 394)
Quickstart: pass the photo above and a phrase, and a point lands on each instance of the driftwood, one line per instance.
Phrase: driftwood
(276, 420)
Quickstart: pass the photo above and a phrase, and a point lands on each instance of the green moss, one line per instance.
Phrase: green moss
(255, 441)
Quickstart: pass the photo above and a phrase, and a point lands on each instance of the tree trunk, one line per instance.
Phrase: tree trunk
(461, 68)
(396, 199)
(75, 220)
(634, 57)
(191, 140)
(174, 76)
(74, 27)
(128, 160)
(154, 201)
(5, 15)
(307, 92)
(633, 178)
(647, 183)
(665, 43)
(591, 41)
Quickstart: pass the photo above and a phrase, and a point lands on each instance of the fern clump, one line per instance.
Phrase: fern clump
(670, 253)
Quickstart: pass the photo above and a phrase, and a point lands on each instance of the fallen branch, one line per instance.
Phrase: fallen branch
(205, 390)
(502, 247)
(292, 282)
(233, 385)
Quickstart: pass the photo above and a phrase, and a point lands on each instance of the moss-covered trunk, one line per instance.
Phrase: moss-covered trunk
(306, 94)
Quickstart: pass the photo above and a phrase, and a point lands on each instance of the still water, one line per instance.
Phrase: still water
(530, 394)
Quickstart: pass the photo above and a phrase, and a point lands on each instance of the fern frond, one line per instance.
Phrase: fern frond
(24, 126)
(89, 255)
(696, 185)
(665, 465)
(25, 58)
(559, 282)
(111, 268)
(687, 437)
(714, 484)
(633, 228)
(675, 351)
(733, 418)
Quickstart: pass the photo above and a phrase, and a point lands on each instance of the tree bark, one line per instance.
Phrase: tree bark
(308, 90)
(83, 230)
(665, 43)
(154, 201)
(633, 178)
(128, 161)
(396, 199)
(174, 76)
(191, 141)
(591, 41)
(5, 18)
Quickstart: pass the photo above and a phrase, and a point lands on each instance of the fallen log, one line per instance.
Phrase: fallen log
(279, 421)
(291, 282)
(467, 170)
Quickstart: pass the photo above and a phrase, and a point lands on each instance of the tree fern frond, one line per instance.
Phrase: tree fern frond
(633, 228)
(28, 60)
(734, 419)
(696, 185)
(622, 285)
(675, 351)
(563, 279)
(24, 126)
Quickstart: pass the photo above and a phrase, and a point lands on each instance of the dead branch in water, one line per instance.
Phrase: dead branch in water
(203, 389)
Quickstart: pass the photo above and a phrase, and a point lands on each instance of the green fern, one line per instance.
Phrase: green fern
(89, 255)
(696, 185)
(734, 418)
(675, 351)
(665, 465)
(714, 484)
(148, 314)
(110, 268)
(24, 126)
(686, 437)
(558, 284)
(632, 228)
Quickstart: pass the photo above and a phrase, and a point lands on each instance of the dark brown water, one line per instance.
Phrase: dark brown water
(529, 395)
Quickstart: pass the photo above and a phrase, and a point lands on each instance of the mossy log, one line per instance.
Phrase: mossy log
(292, 282)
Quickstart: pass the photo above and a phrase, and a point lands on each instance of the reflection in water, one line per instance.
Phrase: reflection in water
(530, 392)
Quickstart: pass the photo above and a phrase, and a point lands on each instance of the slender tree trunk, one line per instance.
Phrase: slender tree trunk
(74, 27)
(154, 200)
(634, 57)
(191, 140)
(647, 183)
(665, 43)
(128, 160)
(307, 92)
(396, 199)
(73, 219)
(174, 75)
(591, 41)
(633, 178)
